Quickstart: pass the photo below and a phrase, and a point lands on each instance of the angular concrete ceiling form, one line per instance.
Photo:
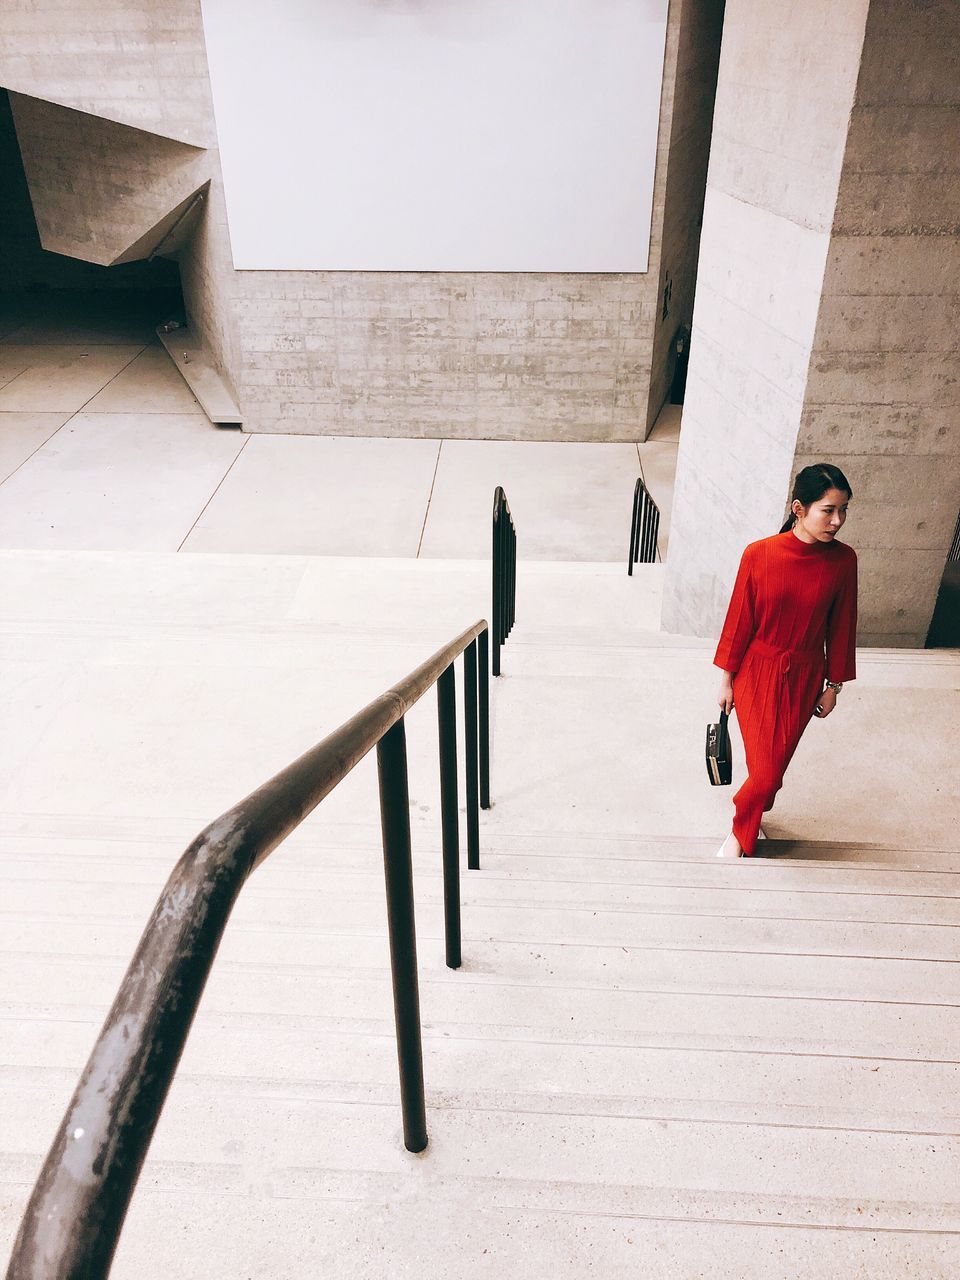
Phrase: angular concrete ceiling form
(136, 62)
(101, 191)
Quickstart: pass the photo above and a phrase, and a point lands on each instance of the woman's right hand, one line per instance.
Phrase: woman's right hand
(725, 698)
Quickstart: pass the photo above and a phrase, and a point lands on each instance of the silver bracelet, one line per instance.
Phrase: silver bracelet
(830, 684)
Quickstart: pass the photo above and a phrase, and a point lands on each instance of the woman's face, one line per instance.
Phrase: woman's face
(823, 519)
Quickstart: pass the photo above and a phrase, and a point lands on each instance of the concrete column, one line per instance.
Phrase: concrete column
(883, 391)
(826, 306)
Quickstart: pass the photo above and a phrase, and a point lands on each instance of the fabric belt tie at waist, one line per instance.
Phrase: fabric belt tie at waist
(801, 655)
(783, 657)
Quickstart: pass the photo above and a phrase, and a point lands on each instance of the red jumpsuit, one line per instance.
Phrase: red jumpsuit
(792, 622)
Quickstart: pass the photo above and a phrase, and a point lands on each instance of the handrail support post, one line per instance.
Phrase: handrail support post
(471, 764)
(398, 873)
(483, 689)
(449, 815)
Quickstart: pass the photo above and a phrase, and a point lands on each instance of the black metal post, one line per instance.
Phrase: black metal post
(471, 764)
(398, 872)
(483, 662)
(449, 814)
(632, 553)
(497, 588)
(512, 579)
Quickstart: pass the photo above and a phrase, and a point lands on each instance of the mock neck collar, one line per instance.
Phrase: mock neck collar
(806, 548)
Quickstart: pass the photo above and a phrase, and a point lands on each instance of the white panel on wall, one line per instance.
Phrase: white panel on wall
(438, 135)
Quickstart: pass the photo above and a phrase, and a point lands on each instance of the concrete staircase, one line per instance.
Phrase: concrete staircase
(650, 1062)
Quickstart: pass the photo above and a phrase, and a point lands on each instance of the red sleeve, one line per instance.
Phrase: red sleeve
(740, 624)
(842, 626)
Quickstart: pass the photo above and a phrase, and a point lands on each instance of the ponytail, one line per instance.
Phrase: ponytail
(811, 484)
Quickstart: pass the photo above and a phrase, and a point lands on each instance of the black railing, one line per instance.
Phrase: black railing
(74, 1217)
(644, 527)
(504, 574)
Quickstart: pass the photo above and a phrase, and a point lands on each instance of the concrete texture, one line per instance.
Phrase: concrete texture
(827, 289)
(137, 465)
(784, 95)
(114, 480)
(569, 501)
(24, 263)
(883, 395)
(86, 200)
(321, 497)
(519, 356)
(55, 379)
(691, 122)
(494, 356)
(150, 383)
(22, 436)
(129, 64)
(124, 60)
(630, 1011)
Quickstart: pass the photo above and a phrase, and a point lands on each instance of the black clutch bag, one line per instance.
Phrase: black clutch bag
(719, 762)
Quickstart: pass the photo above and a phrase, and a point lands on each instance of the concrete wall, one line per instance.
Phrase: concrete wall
(490, 355)
(494, 356)
(784, 95)
(26, 265)
(134, 61)
(98, 187)
(883, 394)
(827, 303)
(691, 121)
(139, 64)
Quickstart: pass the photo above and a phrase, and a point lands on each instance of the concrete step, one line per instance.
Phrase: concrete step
(299, 1138)
(716, 964)
(147, 849)
(95, 908)
(313, 1060)
(684, 1009)
(362, 1224)
(114, 885)
(647, 1051)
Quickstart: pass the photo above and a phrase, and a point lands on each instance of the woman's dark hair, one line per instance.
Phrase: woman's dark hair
(812, 483)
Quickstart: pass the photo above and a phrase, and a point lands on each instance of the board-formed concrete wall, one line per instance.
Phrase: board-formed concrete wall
(518, 355)
(134, 61)
(25, 265)
(141, 65)
(685, 160)
(99, 187)
(556, 356)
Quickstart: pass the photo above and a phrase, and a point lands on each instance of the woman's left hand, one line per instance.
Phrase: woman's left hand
(825, 703)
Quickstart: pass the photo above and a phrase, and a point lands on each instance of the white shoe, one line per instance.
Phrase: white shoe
(726, 850)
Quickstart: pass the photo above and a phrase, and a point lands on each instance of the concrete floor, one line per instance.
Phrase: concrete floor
(651, 1061)
(103, 447)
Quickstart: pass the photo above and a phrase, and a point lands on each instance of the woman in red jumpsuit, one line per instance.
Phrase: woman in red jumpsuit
(788, 642)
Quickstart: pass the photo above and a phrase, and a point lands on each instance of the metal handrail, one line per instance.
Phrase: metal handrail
(76, 1211)
(504, 574)
(644, 527)
(953, 555)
